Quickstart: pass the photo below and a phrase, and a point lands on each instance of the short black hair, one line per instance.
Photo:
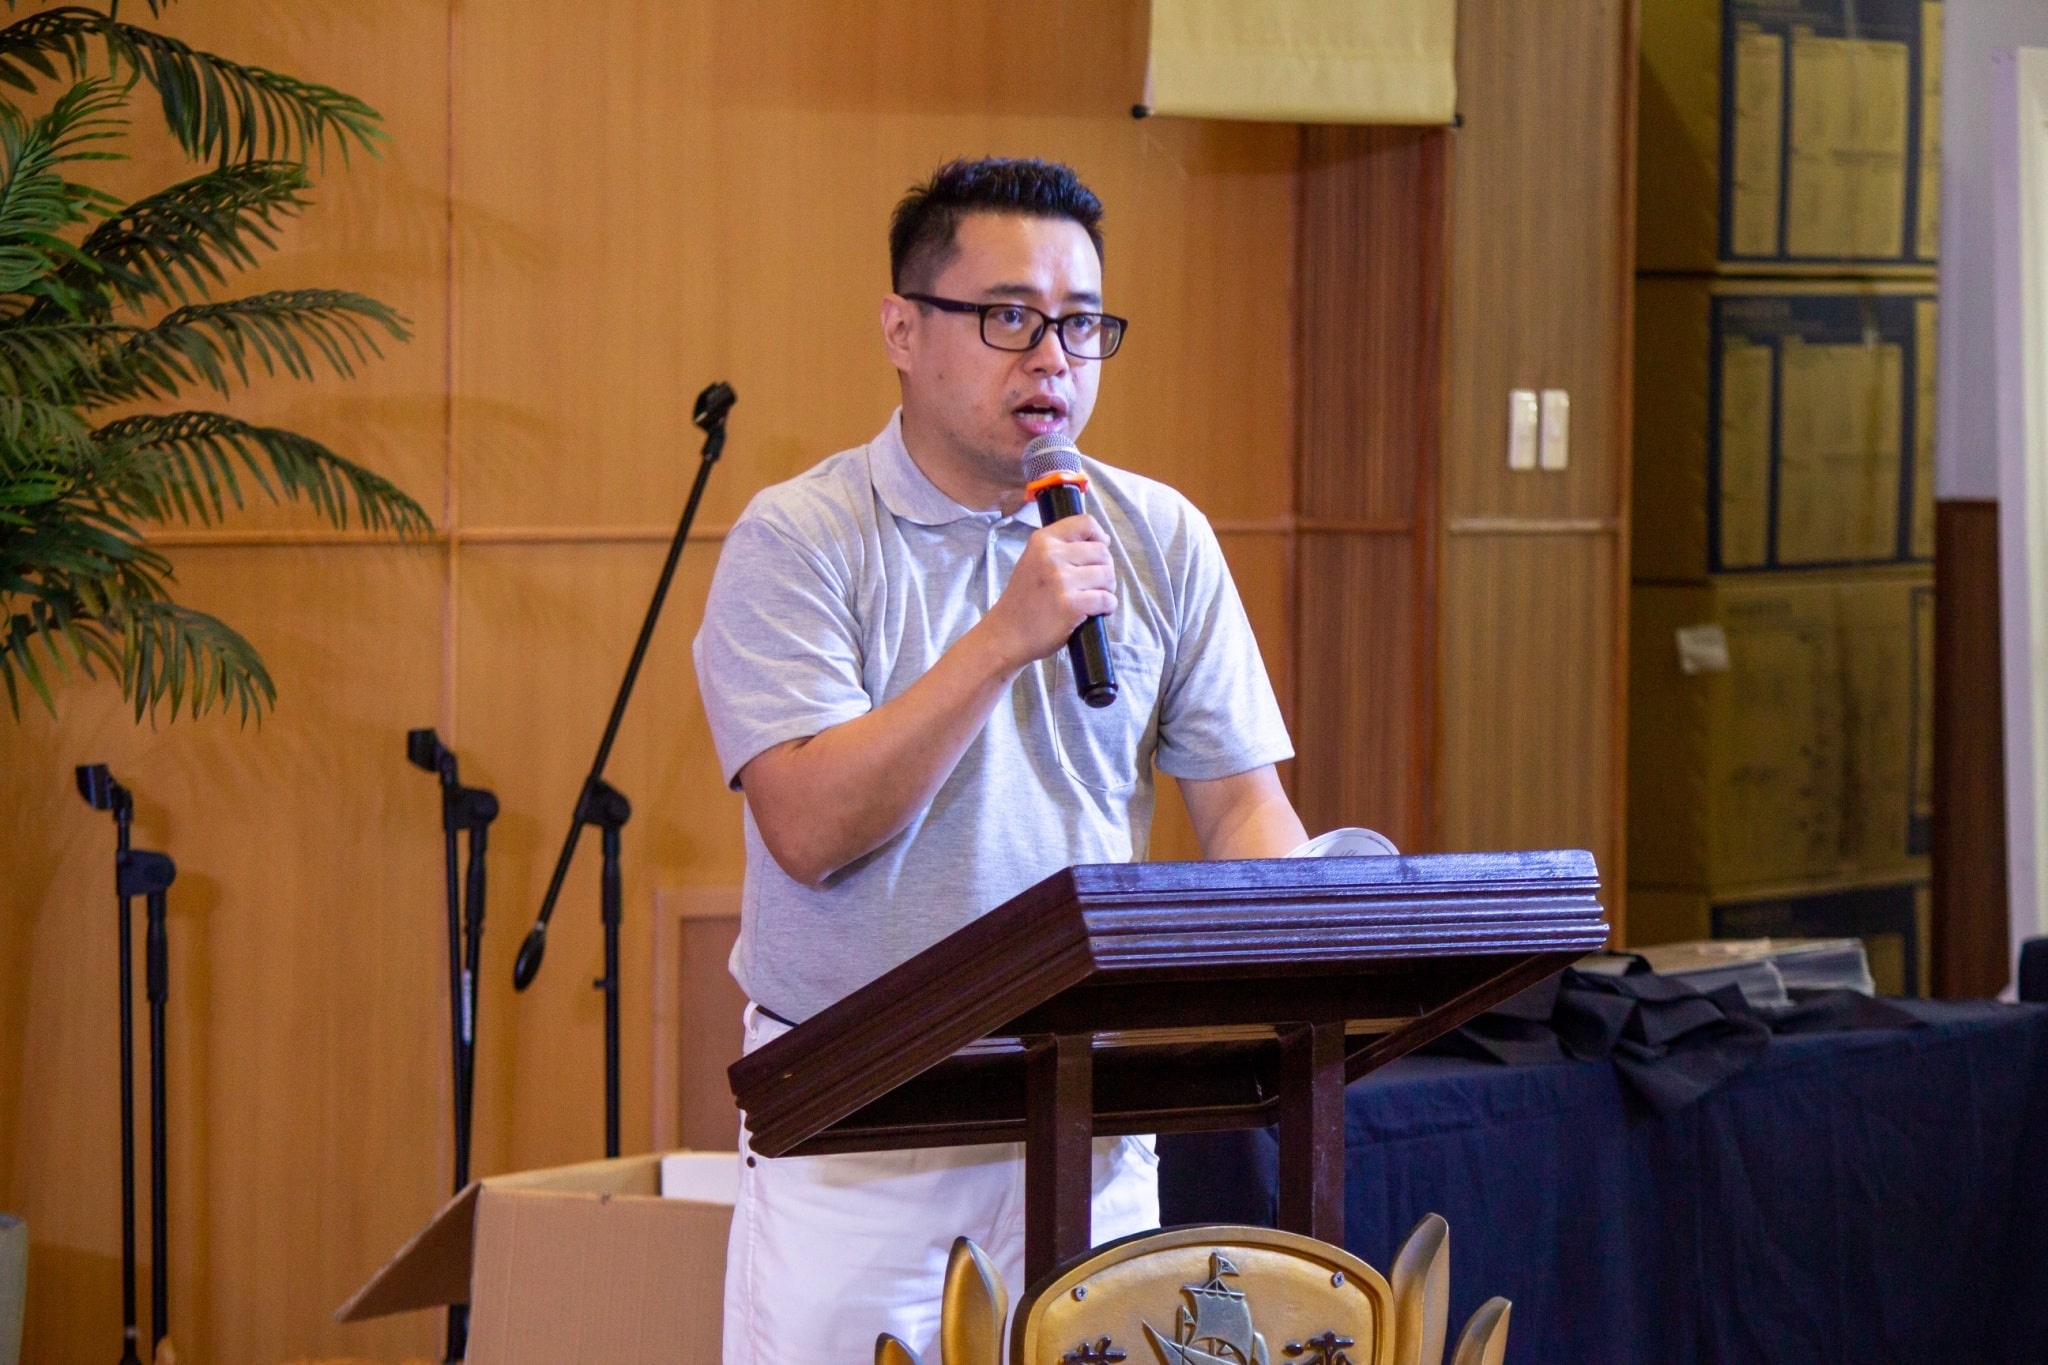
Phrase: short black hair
(921, 231)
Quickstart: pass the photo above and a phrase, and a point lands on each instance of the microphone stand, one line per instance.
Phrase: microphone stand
(603, 805)
(138, 872)
(464, 810)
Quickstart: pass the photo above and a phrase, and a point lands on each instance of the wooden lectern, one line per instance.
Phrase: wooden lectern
(1170, 997)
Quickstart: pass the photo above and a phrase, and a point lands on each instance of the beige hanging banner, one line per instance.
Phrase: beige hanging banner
(1304, 61)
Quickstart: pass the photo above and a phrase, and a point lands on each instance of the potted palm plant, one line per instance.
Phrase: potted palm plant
(116, 316)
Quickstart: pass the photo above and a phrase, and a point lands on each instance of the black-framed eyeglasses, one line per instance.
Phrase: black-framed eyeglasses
(1020, 327)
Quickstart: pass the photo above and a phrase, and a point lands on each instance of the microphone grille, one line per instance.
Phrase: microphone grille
(1050, 455)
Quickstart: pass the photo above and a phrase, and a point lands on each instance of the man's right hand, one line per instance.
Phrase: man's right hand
(824, 801)
(1064, 576)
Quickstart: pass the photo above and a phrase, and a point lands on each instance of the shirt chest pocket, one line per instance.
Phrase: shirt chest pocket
(1104, 748)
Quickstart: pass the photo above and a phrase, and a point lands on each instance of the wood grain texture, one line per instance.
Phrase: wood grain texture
(587, 215)
(304, 940)
(1370, 279)
(1541, 249)
(1378, 942)
(1311, 1197)
(698, 1018)
(1263, 565)
(1532, 729)
(307, 972)
(1621, 419)
(1529, 695)
(1371, 283)
(1059, 1081)
(712, 202)
(1362, 760)
(373, 223)
(1972, 950)
(577, 607)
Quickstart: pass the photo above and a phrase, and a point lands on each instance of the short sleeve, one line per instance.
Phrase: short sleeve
(1218, 716)
(778, 656)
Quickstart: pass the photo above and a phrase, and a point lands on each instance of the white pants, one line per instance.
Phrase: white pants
(827, 1252)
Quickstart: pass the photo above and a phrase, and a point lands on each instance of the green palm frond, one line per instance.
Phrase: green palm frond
(22, 631)
(31, 47)
(41, 431)
(72, 552)
(36, 202)
(108, 303)
(175, 245)
(192, 472)
(66, 582)
(216, 344)
(66, 360)
(161, 651)
(26, 489)
(214, 107)
(193, 660)
(284, 330)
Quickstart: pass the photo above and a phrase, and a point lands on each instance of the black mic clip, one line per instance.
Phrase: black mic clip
(709, 415)
(462, 808)
(97, 785)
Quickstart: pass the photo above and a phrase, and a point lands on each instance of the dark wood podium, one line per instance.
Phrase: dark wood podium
(1170, 997)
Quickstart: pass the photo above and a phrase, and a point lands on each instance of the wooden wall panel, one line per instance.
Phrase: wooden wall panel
(1262, 564)
(639, 201)
(1971, 931)
(1371, 288)
(587, 214)
(708, 205)
(1356, 737)
(1542, 247)
(699, 1018)
(543, 631)
(303, 933)
(305, 953)
(1370, 284)
(1533, 721)
(375, 223)
(1529, 721)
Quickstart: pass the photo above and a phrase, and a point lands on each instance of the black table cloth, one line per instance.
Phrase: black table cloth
(1863, 1197)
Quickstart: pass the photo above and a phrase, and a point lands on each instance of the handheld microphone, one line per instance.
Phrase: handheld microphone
(1052, 474)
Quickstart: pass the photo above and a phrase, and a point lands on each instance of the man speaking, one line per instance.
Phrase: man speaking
(883, 661)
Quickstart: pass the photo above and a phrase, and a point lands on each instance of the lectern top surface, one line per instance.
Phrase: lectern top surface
(1181, 971)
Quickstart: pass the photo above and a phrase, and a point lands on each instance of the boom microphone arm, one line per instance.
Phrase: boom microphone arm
(598, 802)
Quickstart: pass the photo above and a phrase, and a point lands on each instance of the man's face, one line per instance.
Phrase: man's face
(973, 406)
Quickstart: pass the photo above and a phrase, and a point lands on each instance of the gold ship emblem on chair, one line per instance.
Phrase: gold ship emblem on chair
(1340, 1311)
(1218, 1330)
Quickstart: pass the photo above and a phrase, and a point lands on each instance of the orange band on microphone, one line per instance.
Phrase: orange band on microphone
(1058, 476)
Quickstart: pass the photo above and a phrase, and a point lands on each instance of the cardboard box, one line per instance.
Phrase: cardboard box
(1892, 919)
(575, 1265)
(1778, 731)
(1790, 136)
(1782, 425)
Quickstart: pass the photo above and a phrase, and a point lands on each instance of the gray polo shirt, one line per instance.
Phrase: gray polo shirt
(838, 589)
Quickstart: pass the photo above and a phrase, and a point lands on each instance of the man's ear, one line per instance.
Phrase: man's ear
(899, 324)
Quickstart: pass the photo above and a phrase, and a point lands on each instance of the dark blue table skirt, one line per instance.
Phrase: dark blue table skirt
(1855, 1197)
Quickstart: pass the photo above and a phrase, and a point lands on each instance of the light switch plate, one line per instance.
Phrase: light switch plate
(1522, 428)
(1556, 441)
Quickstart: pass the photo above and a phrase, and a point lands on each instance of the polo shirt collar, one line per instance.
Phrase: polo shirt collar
(909, 495)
